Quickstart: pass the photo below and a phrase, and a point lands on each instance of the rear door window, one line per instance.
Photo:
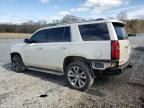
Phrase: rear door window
(94, 32)
(67, 34)
(61, 34)
(120, 31)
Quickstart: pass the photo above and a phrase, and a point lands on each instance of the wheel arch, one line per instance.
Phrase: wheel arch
(13, 53)
(71, 59)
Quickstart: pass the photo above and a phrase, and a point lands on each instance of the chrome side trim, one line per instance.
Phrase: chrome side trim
(46, 71)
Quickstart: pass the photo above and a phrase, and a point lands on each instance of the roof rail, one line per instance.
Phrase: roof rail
(99, 19)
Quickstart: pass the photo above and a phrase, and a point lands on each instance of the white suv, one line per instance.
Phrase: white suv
(77, 50)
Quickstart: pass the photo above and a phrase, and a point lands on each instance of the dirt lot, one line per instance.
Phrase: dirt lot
(22, 90)
(14, 35)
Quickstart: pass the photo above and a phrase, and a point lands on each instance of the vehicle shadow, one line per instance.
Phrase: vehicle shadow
(44, 76)
(60, 80)
(140, 49)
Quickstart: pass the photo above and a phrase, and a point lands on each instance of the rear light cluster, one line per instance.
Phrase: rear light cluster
(115, 50)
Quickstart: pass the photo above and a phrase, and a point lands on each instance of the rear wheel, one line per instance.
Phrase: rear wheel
(78, 76)
(17, 63)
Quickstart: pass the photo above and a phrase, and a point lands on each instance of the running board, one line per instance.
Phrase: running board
(45, 71)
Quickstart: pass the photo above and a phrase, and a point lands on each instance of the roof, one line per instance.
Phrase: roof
(100, 20)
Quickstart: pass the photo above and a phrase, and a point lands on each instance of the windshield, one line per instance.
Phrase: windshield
(120, 31)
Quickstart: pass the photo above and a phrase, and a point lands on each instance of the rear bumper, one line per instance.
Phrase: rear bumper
(118, 69)
(125, 66)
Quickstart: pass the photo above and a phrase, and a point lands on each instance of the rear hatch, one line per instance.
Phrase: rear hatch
(124, 43)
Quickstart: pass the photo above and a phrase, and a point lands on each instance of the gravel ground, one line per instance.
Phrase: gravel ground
(23, 90)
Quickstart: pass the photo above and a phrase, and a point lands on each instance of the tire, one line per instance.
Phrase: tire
(17, 63)
(78, 76)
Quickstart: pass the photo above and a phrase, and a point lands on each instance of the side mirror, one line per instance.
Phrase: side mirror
(27, 40)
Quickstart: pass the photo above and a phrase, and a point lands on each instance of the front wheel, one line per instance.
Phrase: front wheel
(78, 76)
(17, 63)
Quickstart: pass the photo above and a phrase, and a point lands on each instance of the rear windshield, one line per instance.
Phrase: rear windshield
(94, 32)
(120, 31)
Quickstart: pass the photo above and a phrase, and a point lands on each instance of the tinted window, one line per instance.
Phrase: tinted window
(93, 32)
(39, 37)
(61, 34)
(120, 31)
(67, 34)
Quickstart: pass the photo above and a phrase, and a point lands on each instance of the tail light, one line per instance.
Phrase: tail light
(115, 50)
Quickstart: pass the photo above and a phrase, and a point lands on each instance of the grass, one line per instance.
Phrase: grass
(14, 35)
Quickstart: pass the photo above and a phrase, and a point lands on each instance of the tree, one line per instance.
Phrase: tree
(42, 22)
(2, 28)
(122, 16)
(70, 19)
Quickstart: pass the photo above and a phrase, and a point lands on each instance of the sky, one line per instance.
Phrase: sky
(19, 11)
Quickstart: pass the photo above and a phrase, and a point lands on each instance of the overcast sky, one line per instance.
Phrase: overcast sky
(18, 11)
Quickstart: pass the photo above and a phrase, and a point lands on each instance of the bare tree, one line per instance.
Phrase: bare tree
(70, 19)
(122, 16)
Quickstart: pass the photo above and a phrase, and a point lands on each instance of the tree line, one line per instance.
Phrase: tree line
(135, 26)
(132, 26)
(22, 28)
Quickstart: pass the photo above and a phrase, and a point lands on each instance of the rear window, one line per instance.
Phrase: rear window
(120, 31)
(94, 32)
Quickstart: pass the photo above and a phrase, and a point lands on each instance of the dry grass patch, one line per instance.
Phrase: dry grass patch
(14, 35)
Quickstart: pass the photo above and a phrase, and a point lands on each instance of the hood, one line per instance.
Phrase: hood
(19, 45)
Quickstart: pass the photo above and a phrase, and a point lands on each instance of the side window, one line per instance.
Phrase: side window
(48, 37)
(39, 37)
(94, 32)
(61, 34)
(67, 34)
